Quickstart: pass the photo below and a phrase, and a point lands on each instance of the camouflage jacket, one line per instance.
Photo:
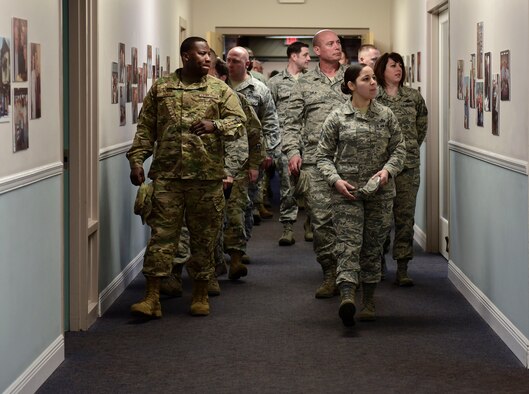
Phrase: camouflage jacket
(280, 86)
(169, 109)
(312, 98)
(355, 146)
(251, 145)
(258, 95)
(410, 109)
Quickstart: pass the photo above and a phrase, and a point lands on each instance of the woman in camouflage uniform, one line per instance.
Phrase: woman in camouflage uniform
(360, 152)
(408, 106)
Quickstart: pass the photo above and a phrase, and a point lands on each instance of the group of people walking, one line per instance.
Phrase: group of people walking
(344, 138)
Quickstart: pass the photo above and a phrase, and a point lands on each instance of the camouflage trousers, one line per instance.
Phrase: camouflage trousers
(407, 185)
(202, 204)
(288, 206)
(361, 229)
(235, 237)
(254, 198)
(318, 199)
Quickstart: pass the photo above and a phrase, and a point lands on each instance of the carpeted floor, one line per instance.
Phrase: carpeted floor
(268, 334)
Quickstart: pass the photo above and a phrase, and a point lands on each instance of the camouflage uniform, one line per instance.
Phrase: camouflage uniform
(187, 169)
(235, 236)
(280, 86)
(354, 147)
(259, 97)
(410, 109)
(312, 98)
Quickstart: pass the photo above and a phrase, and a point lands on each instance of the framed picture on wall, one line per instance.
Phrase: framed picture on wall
(479, 103)
(35, 85)
(134, 104)
(168, 64)
(505, 72)
(418, 66)
(20, 50)
(129, 83)
(487, 81)
(5, 80)
(149, 61)
(413, 67)
(20, 119)
(479, 50)
(460, 70)
(466, 85)
(122, 108)
(134, 61)
(472, 80)
(495, 104)
(114, 83)
(121, 64)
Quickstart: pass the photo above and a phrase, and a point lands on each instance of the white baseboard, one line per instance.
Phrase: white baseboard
(419, 237)
(40, 369)
(120, 283)
(501, 325)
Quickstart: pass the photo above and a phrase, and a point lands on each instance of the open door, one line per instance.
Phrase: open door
(83, 164)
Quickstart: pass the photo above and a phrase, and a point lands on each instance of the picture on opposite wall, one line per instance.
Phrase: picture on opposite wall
(479, 103)
(114, 83)
(129, 83)
(157, 73)
(413, 67)
(472, 80)
(418, 66)
(35, 85)
(134, 61)
(460, 79)
(466, 84)
(149, 61)
(122, 67)
(495, 104)
(480, 50)
(168, 63)
(5, 80)
(20, 119)
(487, 81)
(122, 108)
(20, 50)
(134, 104)
(505, 72)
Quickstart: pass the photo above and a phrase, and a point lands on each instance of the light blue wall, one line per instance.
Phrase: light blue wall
(122, 235)
(31, 280)
(489, 233)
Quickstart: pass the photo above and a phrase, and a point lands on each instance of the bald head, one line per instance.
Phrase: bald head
(327, 46)
(238, 61)
(320, 36)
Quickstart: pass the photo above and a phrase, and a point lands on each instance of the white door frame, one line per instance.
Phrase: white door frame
(434, 8)
(84, 163)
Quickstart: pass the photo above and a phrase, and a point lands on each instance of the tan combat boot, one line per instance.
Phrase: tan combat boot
(287, 239)
(200, 300)
(150, 305)
(237, 268)
(213, 287)
(172, 285)
(368, 302)
(347, 305)
(309, 235)
(402, 279)
(328, 287)
(265, 213)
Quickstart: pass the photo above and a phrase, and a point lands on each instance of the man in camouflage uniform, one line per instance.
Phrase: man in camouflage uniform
(368, 54)
(259, 97)
(313, 97)
(235, 237)
(280, 87)
(186, 116)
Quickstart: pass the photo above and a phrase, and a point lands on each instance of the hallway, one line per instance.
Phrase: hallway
(268, 334)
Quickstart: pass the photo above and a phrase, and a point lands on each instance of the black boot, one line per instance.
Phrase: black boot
(347, 306)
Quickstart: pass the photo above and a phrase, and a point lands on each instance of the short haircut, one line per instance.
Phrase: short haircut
(365, 48)
(296, 47)
(382, 62)
(189, 42)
